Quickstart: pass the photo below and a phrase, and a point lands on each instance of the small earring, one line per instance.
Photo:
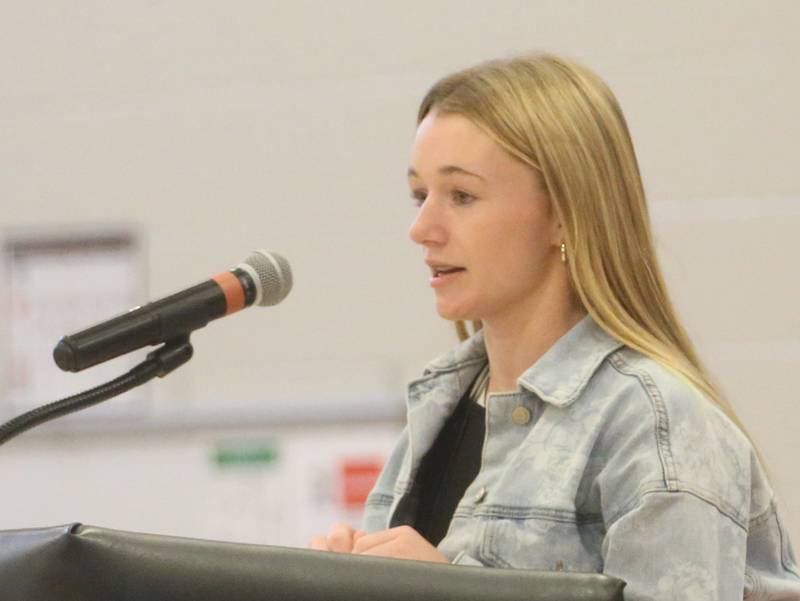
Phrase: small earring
(563, 252)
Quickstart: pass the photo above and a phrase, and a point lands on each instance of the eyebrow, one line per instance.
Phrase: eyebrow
(448, 170)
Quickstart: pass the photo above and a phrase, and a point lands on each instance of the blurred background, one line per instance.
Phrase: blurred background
(147, 145)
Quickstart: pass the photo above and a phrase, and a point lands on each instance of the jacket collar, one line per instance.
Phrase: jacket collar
(559, 376)
(472, 350)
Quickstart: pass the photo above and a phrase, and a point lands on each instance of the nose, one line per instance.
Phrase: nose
(429, 227)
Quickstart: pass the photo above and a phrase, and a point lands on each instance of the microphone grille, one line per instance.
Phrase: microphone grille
(274, 276)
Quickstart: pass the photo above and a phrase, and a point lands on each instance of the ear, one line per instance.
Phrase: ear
(559, 234)
(557, 229)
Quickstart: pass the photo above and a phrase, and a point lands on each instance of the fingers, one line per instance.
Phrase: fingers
(402, 542)
(387, 549)
(368, 541)
(340, 538)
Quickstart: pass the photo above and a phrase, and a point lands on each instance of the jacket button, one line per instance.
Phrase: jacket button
(479, 496)
(521, 415)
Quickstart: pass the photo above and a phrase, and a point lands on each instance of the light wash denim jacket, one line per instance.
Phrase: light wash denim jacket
(614, 465)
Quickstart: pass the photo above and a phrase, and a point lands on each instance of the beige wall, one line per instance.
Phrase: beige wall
(222, 127)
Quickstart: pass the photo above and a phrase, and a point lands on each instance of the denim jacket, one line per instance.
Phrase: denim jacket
(601, 461)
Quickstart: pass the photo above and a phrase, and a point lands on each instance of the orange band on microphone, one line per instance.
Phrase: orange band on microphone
(233, 290)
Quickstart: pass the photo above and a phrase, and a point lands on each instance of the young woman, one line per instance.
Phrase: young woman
(576, 429)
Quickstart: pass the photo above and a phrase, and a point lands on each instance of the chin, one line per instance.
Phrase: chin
(454, 313)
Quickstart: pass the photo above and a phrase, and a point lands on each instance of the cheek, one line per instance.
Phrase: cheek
(522, 264)
(522, 243)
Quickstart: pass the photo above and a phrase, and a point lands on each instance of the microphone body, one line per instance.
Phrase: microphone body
(179, 314)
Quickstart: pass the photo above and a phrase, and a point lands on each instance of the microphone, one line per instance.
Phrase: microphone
(264, 279)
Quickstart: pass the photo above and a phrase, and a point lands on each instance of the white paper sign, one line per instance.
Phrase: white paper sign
(59, 285)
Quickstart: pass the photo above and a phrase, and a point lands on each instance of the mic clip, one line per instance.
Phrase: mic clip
(172, 355)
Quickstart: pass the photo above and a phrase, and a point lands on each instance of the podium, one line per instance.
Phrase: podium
(75, 562)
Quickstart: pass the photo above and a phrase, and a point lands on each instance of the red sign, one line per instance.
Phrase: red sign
(358, 476)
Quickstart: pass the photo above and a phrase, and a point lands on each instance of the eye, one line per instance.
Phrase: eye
(462, 198)
(418, 196)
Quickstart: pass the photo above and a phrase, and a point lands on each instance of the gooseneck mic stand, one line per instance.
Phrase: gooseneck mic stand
(159, 363)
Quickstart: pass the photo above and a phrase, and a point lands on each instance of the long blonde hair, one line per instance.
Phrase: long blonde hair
(563, 121)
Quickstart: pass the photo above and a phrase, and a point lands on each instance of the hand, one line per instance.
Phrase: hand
(340, 539)
(402, 542)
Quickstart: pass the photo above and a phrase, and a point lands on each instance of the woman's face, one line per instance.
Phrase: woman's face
(490, 237)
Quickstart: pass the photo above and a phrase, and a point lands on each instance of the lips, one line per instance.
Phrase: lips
(442, 273)
(439, 269)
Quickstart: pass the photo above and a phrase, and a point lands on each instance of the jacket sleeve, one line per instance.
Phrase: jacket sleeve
(381, 500)
(675, 545)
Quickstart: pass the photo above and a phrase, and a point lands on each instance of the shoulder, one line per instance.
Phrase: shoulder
(671, 437)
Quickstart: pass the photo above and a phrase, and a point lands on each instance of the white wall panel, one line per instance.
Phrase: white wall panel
(218, 128)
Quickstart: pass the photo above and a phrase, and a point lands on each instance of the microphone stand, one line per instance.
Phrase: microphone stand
(159, 363)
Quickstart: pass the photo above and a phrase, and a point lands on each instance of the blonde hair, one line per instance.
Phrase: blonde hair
(563, 121)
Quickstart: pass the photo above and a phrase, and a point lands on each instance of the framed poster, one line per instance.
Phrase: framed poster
(59, 283)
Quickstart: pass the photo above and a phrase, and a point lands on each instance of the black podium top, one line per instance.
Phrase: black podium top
(87, 563)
